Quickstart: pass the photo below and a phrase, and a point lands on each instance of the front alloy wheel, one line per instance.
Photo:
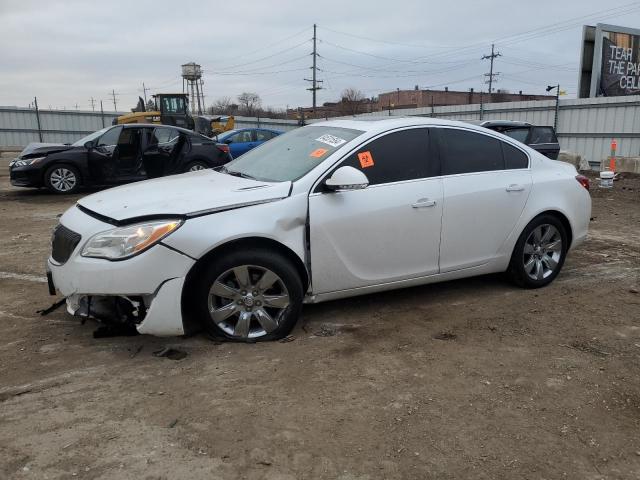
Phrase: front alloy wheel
(248, 301)
(248, 295)
(62, 179)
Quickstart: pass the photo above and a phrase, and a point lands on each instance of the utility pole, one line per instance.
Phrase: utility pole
(35, 103)
(144, 92)
(314, 81)
(93, 104)
(102, 113)
(491, 75)
(555, 119)
(115, 105)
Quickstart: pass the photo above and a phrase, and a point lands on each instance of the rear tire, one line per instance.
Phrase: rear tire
(196, 166)
(249, 296)
(539, 253)
(62, 179)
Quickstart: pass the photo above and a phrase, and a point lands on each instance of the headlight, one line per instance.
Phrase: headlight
(125, 242)
(28, 161)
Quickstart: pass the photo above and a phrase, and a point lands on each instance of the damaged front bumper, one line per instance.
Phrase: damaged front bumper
(157, 314)
(144, 291)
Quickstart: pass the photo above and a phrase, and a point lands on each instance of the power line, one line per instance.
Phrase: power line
(93, 104)
(517, 37)
(251, 70)
(266, 47)
(268, 56)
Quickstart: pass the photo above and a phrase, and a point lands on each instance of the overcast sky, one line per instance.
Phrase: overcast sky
(67, 52)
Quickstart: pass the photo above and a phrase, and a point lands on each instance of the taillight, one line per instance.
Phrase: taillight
(582, 180)
(224, 147)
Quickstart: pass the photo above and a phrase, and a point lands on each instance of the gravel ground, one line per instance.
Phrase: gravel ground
(466, 379)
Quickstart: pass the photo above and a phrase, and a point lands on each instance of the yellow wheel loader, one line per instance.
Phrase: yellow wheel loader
(173, 109)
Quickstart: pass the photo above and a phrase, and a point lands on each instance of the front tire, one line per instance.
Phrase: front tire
(62, 179)
(249, 296)
(539, 253)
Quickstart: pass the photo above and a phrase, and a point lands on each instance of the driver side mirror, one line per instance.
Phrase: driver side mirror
(227, 141)
(346, 178)
(90, 144)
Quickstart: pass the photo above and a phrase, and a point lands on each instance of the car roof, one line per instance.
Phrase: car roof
(504, 123)
(154, 125)
(382, 124)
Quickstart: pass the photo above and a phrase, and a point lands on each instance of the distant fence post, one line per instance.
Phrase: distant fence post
(102, 113)
(35, 101)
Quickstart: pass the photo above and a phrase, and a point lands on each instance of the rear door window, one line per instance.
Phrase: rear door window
(163, 136)
(394, 157)
(463, 151)
(263, 135)
(542, 135)
(242, 137)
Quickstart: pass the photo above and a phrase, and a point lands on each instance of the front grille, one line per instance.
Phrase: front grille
(63, 243)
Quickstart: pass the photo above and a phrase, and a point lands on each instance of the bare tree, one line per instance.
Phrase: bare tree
(249, 103)
(352, 100)
(222, 106)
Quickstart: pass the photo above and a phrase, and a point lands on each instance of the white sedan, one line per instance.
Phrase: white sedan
(327, 211)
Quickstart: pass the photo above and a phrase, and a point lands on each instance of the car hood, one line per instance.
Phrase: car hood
(188, 194)
(35, 149)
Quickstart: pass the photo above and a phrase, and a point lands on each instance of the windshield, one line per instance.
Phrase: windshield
(292, 155)
(88, 138)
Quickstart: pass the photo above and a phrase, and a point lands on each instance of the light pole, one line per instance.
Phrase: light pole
(555, 120)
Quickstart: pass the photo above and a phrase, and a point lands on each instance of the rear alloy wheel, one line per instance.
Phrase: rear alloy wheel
(250, 296)
(539, 253)
(196, 166)
(62, 179)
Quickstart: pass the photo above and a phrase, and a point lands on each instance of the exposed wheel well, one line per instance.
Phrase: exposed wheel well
(241, 243)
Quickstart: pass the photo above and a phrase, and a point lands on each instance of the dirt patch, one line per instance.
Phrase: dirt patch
(467, 379)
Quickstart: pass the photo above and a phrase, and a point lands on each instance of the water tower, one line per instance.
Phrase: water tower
(192, 81)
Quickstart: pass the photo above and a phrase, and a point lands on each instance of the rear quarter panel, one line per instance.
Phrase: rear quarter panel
(555, 188)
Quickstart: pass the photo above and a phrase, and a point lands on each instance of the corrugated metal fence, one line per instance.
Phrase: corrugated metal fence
(585, 126)
(19, 126)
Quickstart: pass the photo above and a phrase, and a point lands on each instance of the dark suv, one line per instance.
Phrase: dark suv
(541, 139)
(115, 155)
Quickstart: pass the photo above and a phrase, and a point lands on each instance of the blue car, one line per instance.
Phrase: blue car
(242, 140)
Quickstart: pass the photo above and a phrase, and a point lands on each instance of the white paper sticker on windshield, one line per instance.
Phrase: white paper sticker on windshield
(331, 140)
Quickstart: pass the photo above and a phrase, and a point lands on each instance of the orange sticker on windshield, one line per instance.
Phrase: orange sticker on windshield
(317, 153)
(366, 160)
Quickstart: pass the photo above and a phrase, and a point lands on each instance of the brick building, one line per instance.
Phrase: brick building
(425, 98)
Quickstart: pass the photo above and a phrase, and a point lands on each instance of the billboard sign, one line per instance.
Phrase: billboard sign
(610, 61)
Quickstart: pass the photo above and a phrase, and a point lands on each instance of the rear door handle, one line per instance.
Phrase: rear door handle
(514, 187)
(424, 202)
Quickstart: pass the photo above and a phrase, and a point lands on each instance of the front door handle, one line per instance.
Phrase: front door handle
(424, 202)
(514, 187)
